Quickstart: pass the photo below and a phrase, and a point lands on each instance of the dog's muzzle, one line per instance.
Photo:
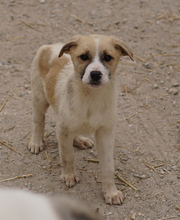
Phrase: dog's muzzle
(95, 77)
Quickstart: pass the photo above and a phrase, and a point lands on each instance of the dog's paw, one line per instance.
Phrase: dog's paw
(70, 179)
(83, 142)
(115, 197)
(35, 148)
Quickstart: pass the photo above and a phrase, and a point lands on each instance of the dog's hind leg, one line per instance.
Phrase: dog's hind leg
(40, 105)
(82, 142)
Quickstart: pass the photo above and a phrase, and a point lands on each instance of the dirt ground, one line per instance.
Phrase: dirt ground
(147, 151)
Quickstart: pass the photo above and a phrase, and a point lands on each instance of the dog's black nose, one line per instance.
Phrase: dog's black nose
(96, 75)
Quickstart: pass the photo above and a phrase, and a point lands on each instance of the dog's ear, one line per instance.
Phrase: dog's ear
(120, 45)
(69, 45)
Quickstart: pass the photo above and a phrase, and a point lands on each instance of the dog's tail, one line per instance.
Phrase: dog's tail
(44, 55)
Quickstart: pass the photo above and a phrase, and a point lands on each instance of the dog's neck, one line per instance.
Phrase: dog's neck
(86, 95)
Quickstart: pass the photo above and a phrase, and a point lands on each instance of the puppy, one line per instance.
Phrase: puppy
(22, 205)
(80, 85)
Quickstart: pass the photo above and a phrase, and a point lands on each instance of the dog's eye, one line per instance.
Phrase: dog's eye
(84, 57)
(107, 58)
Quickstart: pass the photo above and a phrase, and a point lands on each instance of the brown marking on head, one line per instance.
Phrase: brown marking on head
(77, 46)
(56, 65)
(110, 45)
(86, 45)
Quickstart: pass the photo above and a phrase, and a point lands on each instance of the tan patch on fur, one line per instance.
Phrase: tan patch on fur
(49, 70)
(56, 66)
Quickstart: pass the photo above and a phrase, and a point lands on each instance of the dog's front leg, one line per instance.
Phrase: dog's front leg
(65, 142)
(105, 146)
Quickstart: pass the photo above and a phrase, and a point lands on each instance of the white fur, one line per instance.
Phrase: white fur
(23, 205)
(96, 65)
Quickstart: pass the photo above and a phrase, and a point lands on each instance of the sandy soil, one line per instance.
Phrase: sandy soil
(147, 151)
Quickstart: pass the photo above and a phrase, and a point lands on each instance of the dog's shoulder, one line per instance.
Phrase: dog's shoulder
(48, 59)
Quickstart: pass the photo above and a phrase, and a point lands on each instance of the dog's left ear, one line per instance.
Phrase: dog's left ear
(120, 45)
(69, 45)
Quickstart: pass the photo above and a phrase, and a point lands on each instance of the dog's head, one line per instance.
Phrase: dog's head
(95, 57)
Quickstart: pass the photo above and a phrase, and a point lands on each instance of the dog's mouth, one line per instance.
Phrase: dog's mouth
(95, 84)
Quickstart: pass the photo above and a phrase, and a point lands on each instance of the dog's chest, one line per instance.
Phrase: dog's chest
(94, 115)
(84, 110)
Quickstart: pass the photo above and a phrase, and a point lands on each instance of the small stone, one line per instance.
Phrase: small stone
(136, 196)
(109, 213)
(124, 20)
(140, 176)
(136, 175)
(53, 125)
(54, 151)
(117, 22)
(10, 17)
(140, 214)
(5, 63)
(175, 84)
(174, 103)
(22, 94)
(29, 185)
(173, 91)
(136, 27)
(143, 176)
(42, 1)
(155, 86)
(147, 65)
(26, 86)
(55, 142)
(174, 168)
(133, 216)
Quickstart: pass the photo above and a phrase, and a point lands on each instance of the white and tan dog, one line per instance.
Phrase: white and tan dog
(80, 85)
(17, 204)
